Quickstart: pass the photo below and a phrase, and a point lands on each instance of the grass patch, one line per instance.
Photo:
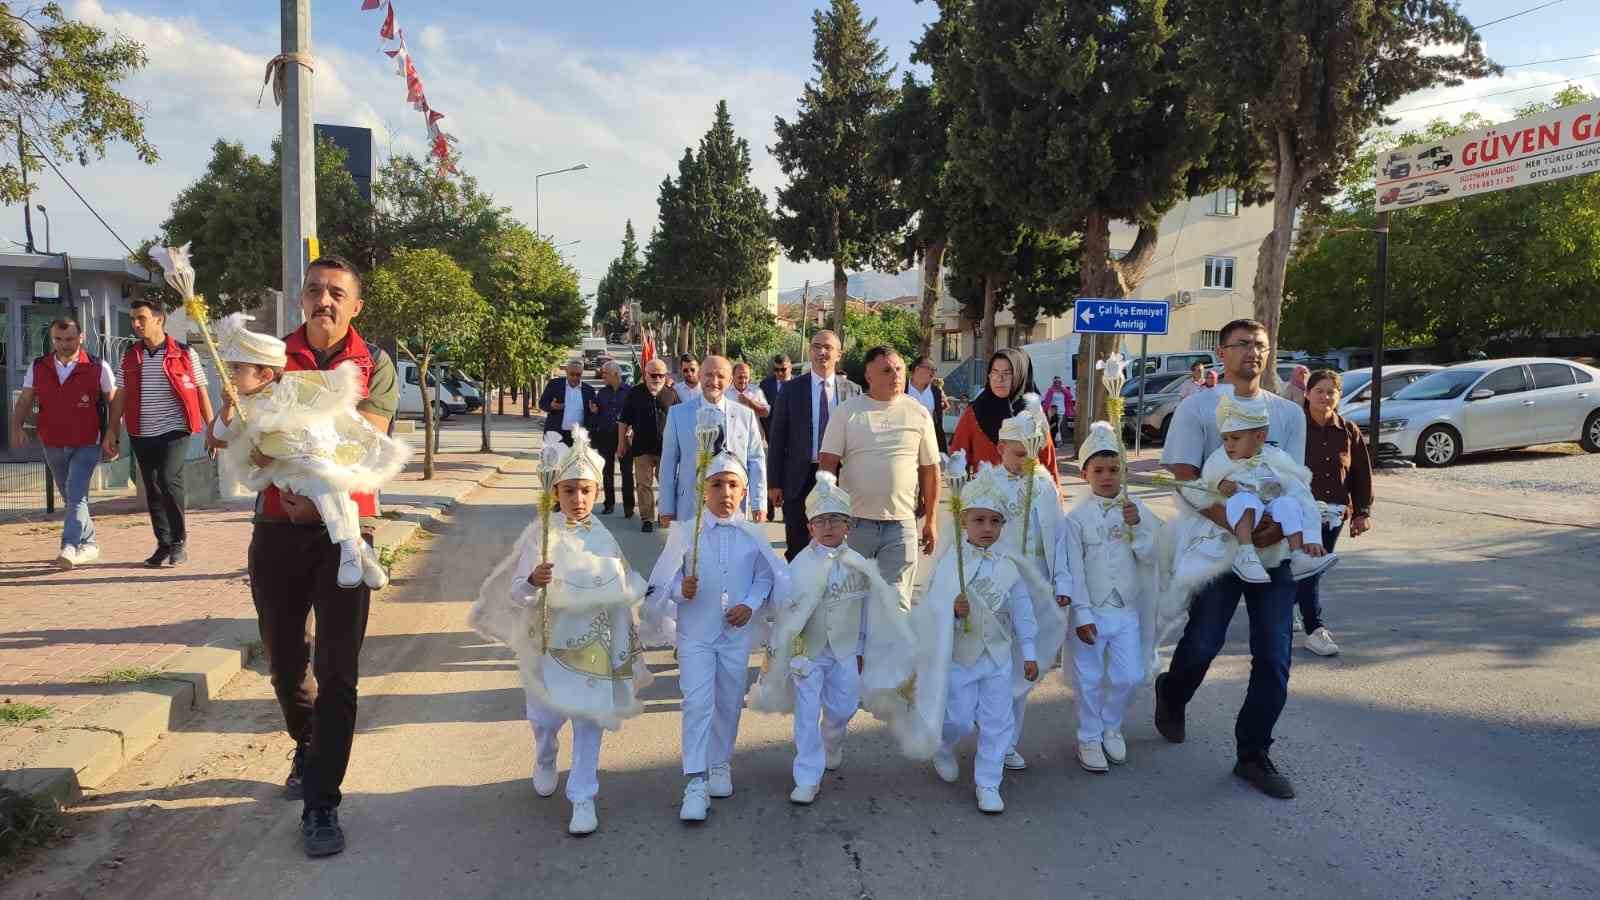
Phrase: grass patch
(126, 676)
(27, 823)
(20, 713)
(388, 556)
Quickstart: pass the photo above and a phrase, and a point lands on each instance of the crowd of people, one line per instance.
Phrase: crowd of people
(1023, 580)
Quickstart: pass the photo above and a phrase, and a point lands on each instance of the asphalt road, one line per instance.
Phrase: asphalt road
(1450, 752)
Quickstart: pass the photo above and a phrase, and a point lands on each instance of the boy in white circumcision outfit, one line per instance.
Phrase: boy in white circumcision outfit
(713, 613)
(319, 446)
(570, 619)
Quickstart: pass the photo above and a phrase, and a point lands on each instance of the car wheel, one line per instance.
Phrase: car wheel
(1161, 434)
(1590, 439)
(1438, 447)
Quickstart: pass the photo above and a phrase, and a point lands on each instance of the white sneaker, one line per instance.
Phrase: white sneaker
(584, 821)
(86, 553)
(944, 762)
(350, 569)
(989, 800)
(372, 571)
(1014, 760)
(1247, 565)
(804, 794)
(695, 802)
(1302, 565)
(1092, 757)
(544, 780)
(835, 757)
(67, 558)
(1321, 643)
(721, 780)
(1115, 747)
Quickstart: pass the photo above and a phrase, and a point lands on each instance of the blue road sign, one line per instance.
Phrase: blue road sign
(1091, 315)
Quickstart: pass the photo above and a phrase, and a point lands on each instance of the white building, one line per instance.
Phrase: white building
(1205, 264)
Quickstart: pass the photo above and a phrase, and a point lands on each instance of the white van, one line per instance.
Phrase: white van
(1171, 362)
(446, 401)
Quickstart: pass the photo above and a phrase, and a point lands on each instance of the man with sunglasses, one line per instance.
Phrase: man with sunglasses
(1191, 438)
(644, 415)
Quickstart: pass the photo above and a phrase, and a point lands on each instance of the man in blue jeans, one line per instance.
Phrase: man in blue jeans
(73, 390)
(1192, 437)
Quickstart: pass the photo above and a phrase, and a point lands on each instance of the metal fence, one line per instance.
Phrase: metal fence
(26, 488)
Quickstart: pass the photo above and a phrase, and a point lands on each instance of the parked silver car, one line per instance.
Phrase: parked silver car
(1161, 398)
(1498, 404)
(1358, 384)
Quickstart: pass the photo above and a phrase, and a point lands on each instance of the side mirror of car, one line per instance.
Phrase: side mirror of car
(1480, 394)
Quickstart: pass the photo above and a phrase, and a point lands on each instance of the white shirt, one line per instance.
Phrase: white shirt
(733, 570)
(160, 410)
(816, 407)
(685, 391)
(572, 411)
(108, 378)
(758, 400)
(923, 395)
(1190, 387)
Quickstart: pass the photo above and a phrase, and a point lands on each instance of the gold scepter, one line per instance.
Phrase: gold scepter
(549, 461)
(707, 429)
(1113, 376)
(1032, 444)
(179, 273)
(955, 478)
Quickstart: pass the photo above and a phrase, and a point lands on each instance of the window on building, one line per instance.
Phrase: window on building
(1219, 272)
(1207, 340)
(950, 346)
(1224, 202)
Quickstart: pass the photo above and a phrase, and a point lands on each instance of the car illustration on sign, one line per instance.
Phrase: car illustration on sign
(1435, 188)
(1389, 196)
(1411, 193)
(1398, 166)
(1435, 158)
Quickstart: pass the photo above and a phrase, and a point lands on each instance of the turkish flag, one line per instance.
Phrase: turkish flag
(387, 32)
(370, 4)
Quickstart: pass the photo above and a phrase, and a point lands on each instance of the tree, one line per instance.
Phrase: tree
(231, 214)
(913, 146)
(1074, 114)
(505, 350)
(418, 208)
(620, 285)
(424, 301)
(1519, 263)
(58, 85)
(886, 326)
(1308, 78)
(837, 205)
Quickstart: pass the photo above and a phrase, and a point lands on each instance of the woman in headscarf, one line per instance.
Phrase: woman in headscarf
(978, 431)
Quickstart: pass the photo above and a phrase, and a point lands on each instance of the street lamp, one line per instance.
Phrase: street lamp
(46, 212)
(577, 168)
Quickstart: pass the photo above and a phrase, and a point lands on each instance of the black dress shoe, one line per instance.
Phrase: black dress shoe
(627, 514)
(1257, 768)
(1169, 715)
(157, 558)
(178, 556)
(607, 510)
(321, 832)
(293, 786)
(647, 527)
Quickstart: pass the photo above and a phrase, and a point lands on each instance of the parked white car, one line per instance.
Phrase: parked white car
(446, 403)
(1499, 404)
(1358, 384)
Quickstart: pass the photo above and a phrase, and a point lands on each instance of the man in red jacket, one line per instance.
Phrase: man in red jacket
(294, 569)
(73, 389)
(161, 396)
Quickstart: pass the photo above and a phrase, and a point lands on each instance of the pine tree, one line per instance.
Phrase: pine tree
(838, 206)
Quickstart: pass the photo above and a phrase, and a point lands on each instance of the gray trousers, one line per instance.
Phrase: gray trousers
(894, 545)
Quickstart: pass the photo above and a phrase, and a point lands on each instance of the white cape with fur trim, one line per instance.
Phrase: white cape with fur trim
(658, 619)
(915, 708)
(1048, 521)
(890, 653)
(595, 666)
(307, 422)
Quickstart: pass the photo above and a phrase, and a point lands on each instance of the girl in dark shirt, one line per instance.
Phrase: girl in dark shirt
(1341, 478)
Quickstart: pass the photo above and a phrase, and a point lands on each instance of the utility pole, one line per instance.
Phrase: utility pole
(27, 199)
(1380, 315)
(805, 314)
(299, 148)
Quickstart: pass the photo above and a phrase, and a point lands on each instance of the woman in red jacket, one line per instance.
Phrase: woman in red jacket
(978, 431)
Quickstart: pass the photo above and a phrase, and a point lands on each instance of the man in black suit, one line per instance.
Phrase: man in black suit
(567, 402)
(800, 414)
(770, 386)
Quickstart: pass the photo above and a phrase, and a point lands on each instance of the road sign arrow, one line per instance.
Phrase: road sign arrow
(1087, 316)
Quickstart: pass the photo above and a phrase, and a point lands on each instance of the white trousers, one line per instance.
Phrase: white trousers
(713, 678)
(339, 514)
(825, 701)
(1019, 712)
(1108, 672)
(1285, 511)
(981, 694)
(583, 781)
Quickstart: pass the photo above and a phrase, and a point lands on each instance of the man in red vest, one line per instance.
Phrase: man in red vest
(294, 569)
(161, 397)
(72, 388)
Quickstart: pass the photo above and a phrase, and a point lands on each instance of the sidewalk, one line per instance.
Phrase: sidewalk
(115, 653)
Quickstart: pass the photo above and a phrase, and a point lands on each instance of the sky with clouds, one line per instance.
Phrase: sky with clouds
(621, 85)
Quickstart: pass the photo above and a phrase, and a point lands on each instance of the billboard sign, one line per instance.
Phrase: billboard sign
(1546, 146)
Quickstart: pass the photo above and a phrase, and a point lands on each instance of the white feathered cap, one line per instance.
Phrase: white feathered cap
(1102, 439)
(727, 462)
(1028, 424)
(984, 492)
(576, 463)
(1235, 413)
(238, 344)
(827, 498)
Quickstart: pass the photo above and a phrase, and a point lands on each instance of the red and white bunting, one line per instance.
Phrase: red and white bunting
(393, 44)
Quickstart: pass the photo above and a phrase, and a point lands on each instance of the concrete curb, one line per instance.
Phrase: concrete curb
(84, 751)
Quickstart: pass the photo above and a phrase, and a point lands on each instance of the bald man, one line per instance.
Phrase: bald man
(742, 437)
